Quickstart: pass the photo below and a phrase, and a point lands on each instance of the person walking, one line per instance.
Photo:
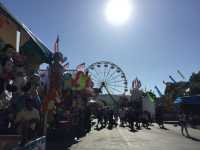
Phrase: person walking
(159, 117)
(122, 117)
(99, 118)
(105, 116)
(145, 120)
(131, 118)
(183, 123)
(110, 118)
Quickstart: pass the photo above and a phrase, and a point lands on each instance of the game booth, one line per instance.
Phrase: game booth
(190, 105)
(35, 103)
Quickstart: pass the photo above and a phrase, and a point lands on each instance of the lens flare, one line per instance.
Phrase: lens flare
(118, 12)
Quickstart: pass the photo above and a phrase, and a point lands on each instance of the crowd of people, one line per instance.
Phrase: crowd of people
(126, 116)
(107, 117)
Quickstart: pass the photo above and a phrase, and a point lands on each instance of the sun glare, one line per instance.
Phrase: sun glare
(118, 11)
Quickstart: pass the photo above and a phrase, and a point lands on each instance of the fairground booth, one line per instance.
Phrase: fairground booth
(34, 102)
(190, 105)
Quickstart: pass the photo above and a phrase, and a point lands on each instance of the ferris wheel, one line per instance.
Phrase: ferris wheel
(108, 77)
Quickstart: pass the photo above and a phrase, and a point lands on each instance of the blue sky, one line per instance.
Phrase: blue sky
(161, 37)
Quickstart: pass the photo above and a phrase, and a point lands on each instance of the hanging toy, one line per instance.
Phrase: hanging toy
(7, 73)
(67, 81)
(20, 80)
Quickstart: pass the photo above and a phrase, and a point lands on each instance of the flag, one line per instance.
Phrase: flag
(56, 44)
(81, 67)
(151, 96)
(136, 84)
(172, 79)
(178, 71)
(159, 92)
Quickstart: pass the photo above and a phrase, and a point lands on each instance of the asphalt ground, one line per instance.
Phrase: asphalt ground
(123, 139)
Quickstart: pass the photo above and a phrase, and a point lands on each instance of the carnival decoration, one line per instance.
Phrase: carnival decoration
(80, 81)
(13, 75)
(56, 79)
(81, 67)
(21, 53)
(44, 79)
(67, 83)
(136, 84)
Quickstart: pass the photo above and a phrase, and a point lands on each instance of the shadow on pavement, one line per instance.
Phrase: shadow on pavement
(194, 139)
(61, 144)
(164, 128)
(133, 130)
(98, 128)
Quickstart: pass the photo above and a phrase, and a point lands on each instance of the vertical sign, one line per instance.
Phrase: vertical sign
(18, 34)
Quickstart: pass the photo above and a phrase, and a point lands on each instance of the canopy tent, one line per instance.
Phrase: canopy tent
(189, 104)
(29, 45)
(190, 100)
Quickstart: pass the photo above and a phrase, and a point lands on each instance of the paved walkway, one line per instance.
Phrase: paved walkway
(154, 139)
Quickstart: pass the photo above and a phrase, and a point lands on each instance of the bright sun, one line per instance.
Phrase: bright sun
(118, 11)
